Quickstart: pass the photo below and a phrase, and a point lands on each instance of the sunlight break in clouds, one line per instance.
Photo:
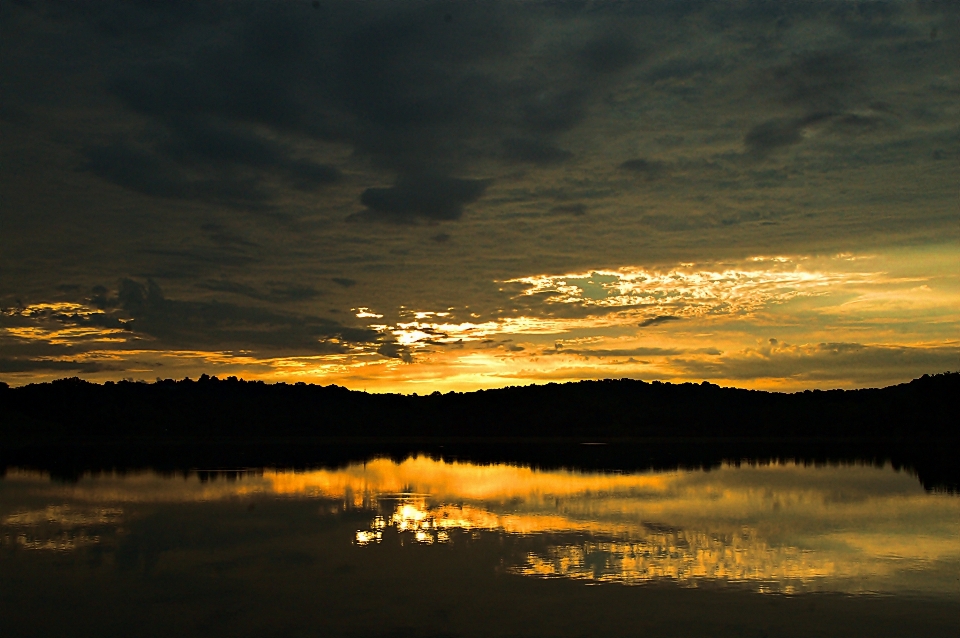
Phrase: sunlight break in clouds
(784, 322)
(621, 297)
(686, 291)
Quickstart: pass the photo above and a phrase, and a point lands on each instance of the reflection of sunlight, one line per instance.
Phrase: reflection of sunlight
(365, 537)
(777, 528)
(410, 517)
(687, 557)
(64, 516)
(65, 541)
(59, 527)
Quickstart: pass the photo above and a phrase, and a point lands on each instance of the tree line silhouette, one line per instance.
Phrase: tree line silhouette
(610, 408)
(69, 427)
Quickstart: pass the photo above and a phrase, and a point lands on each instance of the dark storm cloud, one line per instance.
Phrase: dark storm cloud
(395, 351)
(659, 319)
(41, 365)
(178, 264)
(434, 197)
(407, 88)
(577, 210)
(151, 174)
(676, 223)
(611, 52)
(825, 86)
(775, 134)
(226, 238)
(175, 323)
(208, 162)
(649, 169)
(857, 124)
(534, 151)
(173, 320)
(278, 294)
(779, 133)
(818, 81)
(682, 68)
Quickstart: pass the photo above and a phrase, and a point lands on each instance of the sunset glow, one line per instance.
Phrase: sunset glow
(752, 195)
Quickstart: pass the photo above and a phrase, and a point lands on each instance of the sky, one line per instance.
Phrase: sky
(419, 196)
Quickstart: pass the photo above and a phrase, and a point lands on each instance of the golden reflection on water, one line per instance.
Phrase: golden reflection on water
(782, 528)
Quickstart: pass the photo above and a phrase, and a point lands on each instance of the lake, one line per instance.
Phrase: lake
(424, 547)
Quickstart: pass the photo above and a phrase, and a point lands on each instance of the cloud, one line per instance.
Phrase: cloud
(425, 196)
(143, 171)
(747, 128)
(534, 151)
(68, 314)
(774, 134)
(637, 352)
(395, 351)
(649, 169)
(611, 52)
(404, 87)
(686, 290)
(225, 237)
(577, 210)
(677, 223)
(9, 365)
(278, 293)
(780, 132)
(213, 143)
(817, 81)
(140, 313)
(657, 320)
(189, 323)
(682, 69)
(820, 362)
(208, 163)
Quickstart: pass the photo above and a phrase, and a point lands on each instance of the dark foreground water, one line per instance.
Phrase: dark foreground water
(423, 547)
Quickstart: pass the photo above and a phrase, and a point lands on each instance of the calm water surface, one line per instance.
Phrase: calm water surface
(431, 548)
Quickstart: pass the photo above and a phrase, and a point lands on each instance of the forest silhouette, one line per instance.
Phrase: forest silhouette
(70, 425)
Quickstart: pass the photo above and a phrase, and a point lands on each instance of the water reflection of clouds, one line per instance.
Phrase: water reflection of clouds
(777, 528)
(58, 527)
(686, 557)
